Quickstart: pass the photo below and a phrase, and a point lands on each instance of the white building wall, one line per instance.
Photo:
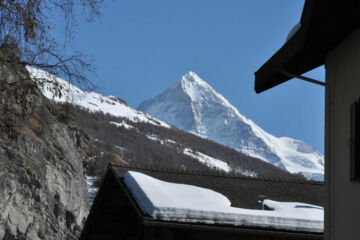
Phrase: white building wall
(342, 221)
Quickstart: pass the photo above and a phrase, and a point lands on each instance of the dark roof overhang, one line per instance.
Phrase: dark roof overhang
(324, 24)
(241, 232)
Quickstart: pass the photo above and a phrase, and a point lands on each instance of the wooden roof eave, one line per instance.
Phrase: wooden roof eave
(256, 233)
(287, 57)
(269, 74)
(324, 25)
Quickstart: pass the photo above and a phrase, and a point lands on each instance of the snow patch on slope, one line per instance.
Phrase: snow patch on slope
(92, 101)
(247, 173)
(157, 139)
(122, 124)
(187, 203)
(207, 160)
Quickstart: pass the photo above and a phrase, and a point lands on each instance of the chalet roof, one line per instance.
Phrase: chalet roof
(242, 191)
(324, 24)
(114, 199)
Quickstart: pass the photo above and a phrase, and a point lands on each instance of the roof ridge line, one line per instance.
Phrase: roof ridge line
(214, 174)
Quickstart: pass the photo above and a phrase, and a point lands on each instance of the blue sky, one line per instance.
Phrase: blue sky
(140, 47)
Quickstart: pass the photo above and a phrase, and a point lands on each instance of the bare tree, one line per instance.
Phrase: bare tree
(25, 38)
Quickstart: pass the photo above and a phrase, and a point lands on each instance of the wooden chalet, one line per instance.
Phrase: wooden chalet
(116, 215)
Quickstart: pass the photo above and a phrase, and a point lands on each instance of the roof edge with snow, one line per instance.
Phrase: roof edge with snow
(113, 198)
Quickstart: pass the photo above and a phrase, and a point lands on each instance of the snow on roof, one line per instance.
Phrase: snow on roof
(186, 203)
(292, 32)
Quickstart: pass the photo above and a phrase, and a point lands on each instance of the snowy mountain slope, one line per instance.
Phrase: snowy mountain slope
(193, 105)
(133, 137)
(92, 101)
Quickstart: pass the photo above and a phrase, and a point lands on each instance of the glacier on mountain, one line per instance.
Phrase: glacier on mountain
(193, 105)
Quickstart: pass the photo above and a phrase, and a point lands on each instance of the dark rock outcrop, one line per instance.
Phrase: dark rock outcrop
(42, 185)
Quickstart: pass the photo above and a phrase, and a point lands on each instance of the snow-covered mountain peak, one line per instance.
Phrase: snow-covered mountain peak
(194, 86)
(191, 77)
(193, 105)
(201, 93)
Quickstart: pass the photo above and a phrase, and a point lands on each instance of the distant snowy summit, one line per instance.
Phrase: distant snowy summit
(193, 105)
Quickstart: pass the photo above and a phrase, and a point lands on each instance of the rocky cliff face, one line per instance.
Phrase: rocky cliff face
(42, 185)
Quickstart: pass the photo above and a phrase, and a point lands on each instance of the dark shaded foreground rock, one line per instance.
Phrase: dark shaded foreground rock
(42, 185)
